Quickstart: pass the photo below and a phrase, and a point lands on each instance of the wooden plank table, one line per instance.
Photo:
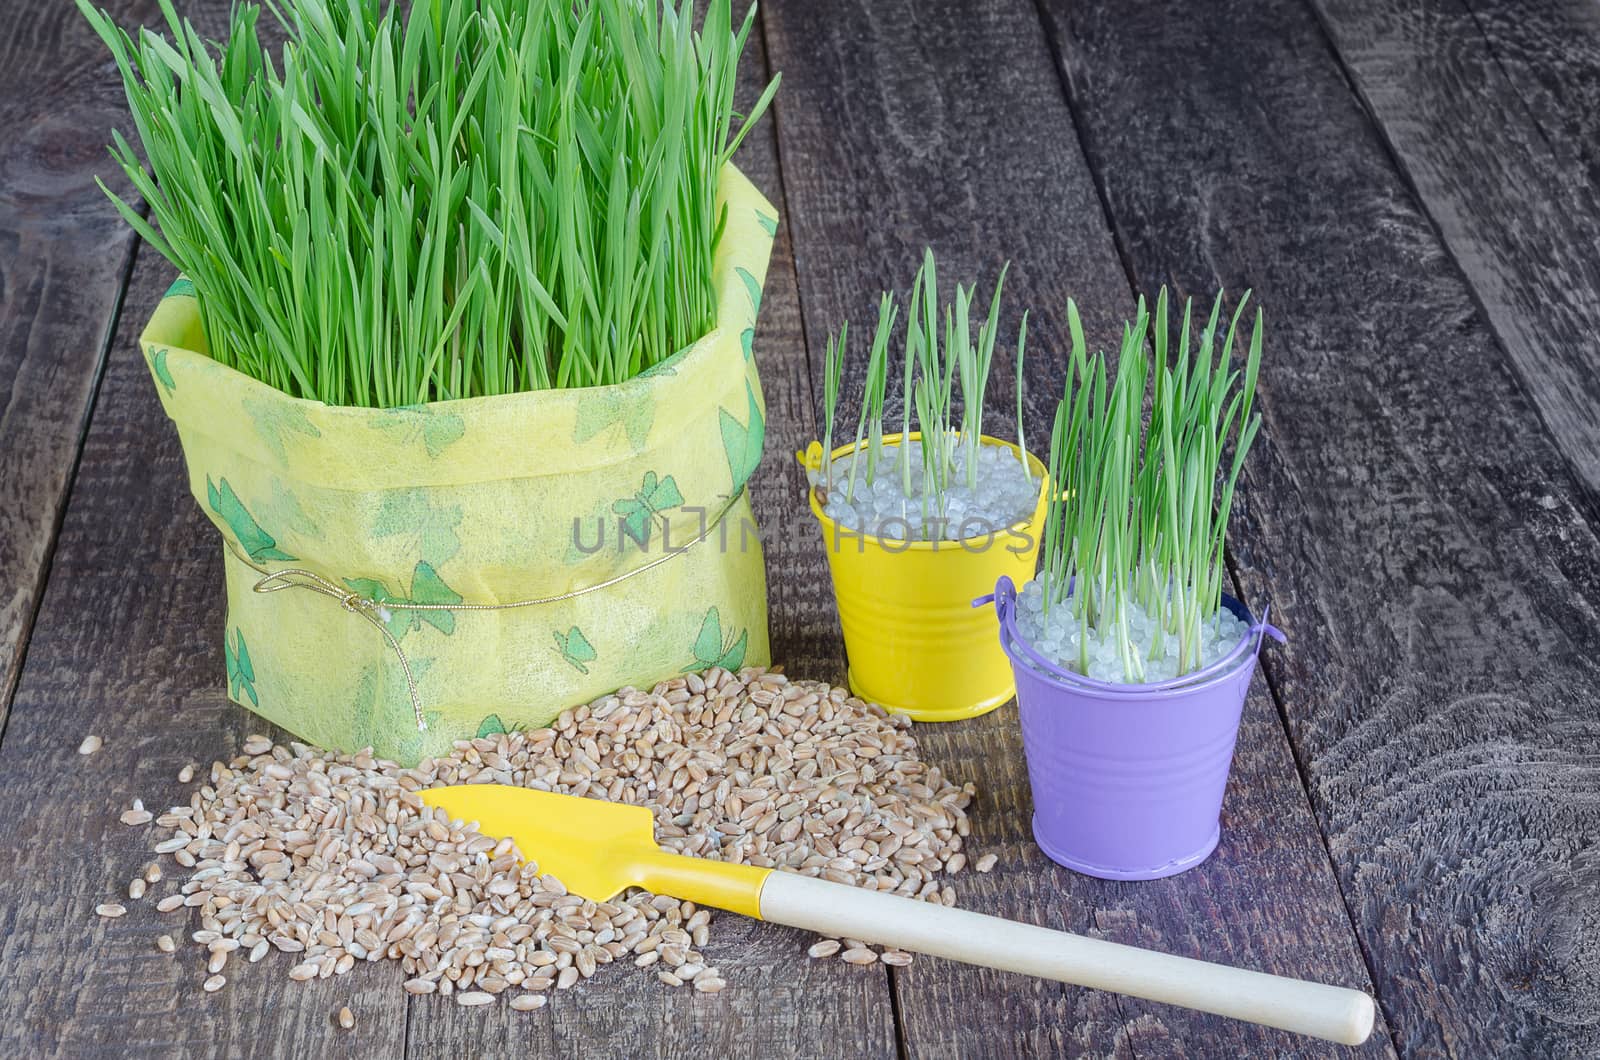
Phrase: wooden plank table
(1413, 192)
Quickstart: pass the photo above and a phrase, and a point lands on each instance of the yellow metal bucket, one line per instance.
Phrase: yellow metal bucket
(915, 643)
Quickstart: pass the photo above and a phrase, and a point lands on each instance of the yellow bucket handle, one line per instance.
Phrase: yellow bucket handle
(811, 457)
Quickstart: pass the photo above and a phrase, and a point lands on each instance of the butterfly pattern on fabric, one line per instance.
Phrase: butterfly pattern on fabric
(281, 426)
(256, 542)
(241, 671)
(710, 649)
(633, 413)
(752, 286)
(654, 497)
(158, 365)
(742, 442)
(747, 337)
(426, 588)
(575, 648)
(436, 430)
(422, 525)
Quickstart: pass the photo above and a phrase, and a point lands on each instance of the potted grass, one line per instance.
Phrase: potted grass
(1131, 663)
(917, 522)
(460, 353)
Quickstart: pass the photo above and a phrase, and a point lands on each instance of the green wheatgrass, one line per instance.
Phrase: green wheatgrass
(1139, 511)
(476, 197)
(933, 374)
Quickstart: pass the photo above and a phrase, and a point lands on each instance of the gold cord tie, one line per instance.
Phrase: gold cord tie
(378, 614)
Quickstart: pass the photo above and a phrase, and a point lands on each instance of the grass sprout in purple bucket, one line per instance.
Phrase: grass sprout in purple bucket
(1131, 665)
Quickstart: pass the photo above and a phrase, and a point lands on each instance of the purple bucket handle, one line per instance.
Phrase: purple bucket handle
(1004, 599)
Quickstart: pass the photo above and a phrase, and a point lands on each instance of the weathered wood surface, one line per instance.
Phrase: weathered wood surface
(1416, 515)
(1419, 534)
(63, 262)
(1491, 108)
(947, 123)
(126, 647)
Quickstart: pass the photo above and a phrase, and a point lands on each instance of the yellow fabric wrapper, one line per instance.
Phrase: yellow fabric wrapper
(482, 502)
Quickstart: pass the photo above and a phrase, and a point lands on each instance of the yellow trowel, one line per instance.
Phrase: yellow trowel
(599, 849)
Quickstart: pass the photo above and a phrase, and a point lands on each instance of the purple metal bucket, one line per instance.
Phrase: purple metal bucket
(1128, 779)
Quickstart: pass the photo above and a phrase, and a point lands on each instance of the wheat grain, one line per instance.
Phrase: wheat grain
(336, 859)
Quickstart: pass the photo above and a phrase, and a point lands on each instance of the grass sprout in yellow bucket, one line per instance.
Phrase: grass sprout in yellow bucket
(918, 524)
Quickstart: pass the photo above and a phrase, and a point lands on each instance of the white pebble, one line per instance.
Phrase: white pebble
(1056, 636)
(1005, 493)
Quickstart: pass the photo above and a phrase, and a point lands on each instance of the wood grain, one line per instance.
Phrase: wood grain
(944, 123)
(1491, 109)
(1419, 533)
(778, 1003)
(1416, 514)
(64, 257)
(1548, 52)
(127, 646)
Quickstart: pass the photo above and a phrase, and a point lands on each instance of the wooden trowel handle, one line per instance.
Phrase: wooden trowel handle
(1331, 1012)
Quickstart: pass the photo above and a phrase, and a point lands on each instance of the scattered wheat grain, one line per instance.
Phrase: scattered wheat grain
(335, 858)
